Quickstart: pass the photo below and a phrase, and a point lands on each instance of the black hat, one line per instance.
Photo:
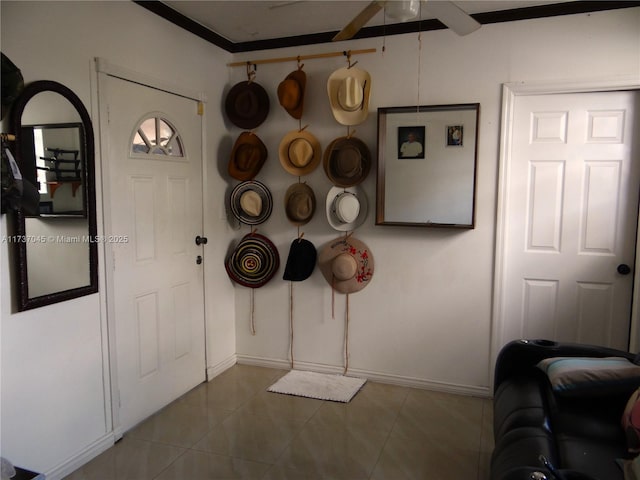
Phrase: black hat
(301, 260)
(12, 83)
(247, 105)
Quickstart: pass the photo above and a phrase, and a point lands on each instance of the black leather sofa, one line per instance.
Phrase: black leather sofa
(580, 436)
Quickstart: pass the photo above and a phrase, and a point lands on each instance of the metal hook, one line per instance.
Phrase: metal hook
(251, 74)
(348, 55)
(300, 65)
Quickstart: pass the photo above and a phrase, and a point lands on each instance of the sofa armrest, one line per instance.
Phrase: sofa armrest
(520, 355)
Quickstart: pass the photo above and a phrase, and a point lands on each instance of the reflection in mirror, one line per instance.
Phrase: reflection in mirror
(56, 250)
(427, 159)
(59, 159)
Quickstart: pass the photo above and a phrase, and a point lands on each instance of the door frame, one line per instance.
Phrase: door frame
(105, 69)
(509, 93)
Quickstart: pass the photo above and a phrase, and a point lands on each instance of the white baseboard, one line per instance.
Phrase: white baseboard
(389, 378)
(215, 370)
(84, 456)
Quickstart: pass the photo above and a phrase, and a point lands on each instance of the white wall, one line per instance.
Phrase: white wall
(54, 403)
(425, 318)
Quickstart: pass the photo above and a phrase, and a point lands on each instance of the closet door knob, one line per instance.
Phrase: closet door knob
(624, 269)
(201, 240)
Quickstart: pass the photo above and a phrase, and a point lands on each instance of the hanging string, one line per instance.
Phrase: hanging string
(419, 54)
(253, 322)
(384, 31)
(291, 322)
(333, 298)
(346, 339)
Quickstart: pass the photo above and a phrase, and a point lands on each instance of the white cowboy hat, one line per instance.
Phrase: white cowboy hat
(349, 90)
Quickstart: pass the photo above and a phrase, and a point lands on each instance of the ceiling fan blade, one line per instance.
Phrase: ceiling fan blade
(359, 21)
(453, 16)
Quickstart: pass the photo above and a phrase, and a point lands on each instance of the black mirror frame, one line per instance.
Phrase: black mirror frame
(89, 187)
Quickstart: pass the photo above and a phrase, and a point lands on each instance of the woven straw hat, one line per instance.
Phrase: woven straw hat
(251, 202)
(300, 152)
(253, 262)
(346, 264)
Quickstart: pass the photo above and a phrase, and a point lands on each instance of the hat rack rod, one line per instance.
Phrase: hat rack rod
(302, 57)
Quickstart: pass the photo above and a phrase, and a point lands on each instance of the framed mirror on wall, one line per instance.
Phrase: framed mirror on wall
(427, 161)
(55, 247)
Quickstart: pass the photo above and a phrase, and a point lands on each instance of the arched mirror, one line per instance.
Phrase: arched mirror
(56, 246)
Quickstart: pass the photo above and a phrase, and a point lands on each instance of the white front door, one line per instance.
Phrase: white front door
(571, 218)
(155, 177)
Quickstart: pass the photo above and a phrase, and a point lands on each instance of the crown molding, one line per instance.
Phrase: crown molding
(513, 15)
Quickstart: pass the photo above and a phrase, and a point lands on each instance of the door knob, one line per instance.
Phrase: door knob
(201, 240)
(199, 259)
(624, 269)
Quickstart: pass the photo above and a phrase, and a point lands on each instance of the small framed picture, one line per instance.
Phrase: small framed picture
(454, 135)
(411, 142)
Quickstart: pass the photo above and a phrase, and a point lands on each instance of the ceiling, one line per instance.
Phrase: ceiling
(254, 25)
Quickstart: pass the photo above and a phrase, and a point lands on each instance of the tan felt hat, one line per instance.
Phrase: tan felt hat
(299, 203)
(347, 161)
(299, 152)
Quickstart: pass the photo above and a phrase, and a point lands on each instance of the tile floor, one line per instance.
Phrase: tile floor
(233, 428)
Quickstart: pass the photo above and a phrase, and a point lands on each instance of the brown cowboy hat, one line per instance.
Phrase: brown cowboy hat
(346, 264)
(347, 161)
(291, 93)
(247, 104)
(299, 152)
(247, 156)
(299, 203)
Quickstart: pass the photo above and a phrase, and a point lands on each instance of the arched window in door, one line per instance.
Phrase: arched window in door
(157, 136)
